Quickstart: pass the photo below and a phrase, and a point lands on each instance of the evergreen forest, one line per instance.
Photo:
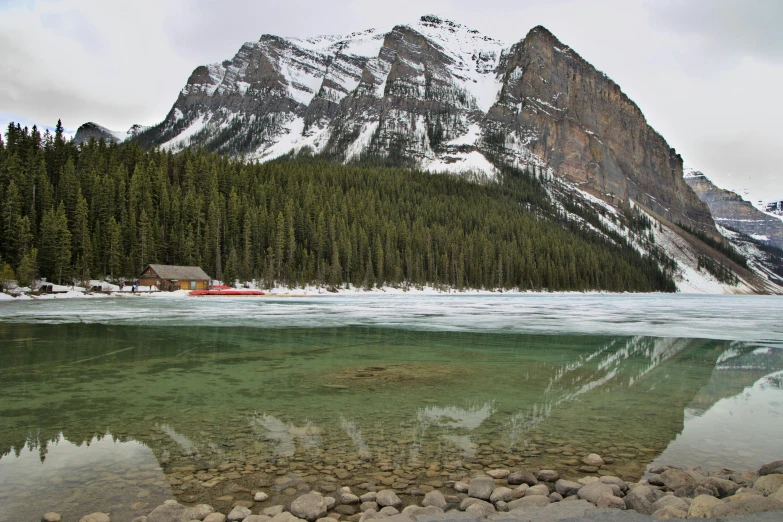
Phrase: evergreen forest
(73, 213)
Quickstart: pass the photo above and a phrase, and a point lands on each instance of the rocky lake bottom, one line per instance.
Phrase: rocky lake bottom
(116, 415)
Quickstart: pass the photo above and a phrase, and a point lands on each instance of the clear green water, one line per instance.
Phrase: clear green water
(96, 416)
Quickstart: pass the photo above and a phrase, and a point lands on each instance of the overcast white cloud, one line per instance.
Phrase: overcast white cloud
(704, 72)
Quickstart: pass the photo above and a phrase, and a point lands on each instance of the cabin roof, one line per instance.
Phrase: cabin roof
(179, 273)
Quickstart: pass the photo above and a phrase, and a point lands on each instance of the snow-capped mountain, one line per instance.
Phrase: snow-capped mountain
(93, 130)
(440, 96)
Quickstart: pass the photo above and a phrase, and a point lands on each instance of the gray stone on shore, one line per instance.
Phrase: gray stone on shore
(369, 497)
(593, 459)
(260, 496)
(349, 498)
(538, 489)
(529, 502)
(555, 497)
(96, 517)
(567, 487)
(435, 498)
(772, 468)
(611, 502)
(547, 475)
(522, 477)
(726, 488)
(641, 499)
(364, 506)
(520, 491)
(669, 500)
(481, 487)
(769, 484)
(670, 513)
(554, 512)
(388, 511)
(215, 517)
(502, 494)
(418, 511)
(467, 502)
(388, 497)
(609, 479)
(676, 478)
(593, 492)
(746, 506)
(370, 514)
(237, 514)
(52, 517)
(498, 473)
(481, 509)
(701, 507)
(694, 490)
(309, 507)
(259, 518)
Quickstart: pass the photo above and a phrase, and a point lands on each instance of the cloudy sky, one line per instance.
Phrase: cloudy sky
(706, 73)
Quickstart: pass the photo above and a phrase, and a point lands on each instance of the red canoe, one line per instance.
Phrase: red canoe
(232, 292)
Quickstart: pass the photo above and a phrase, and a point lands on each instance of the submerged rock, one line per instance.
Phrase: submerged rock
(593, 459)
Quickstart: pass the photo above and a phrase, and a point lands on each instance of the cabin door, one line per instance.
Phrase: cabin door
(192, 285)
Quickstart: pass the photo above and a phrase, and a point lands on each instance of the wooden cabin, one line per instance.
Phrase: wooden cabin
(170, 278)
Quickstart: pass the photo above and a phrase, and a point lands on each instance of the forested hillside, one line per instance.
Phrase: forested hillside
(101, 210)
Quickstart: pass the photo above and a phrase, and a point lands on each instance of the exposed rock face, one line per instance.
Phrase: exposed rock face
(730, 210)
(579, 122)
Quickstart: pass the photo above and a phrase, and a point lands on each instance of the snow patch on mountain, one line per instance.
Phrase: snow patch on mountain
(461, 163)
(475, 57)
(182, 140)
(361, 143)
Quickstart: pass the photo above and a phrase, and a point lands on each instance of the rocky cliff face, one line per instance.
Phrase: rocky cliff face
(731, 211)
(558, 107)
(437, 95)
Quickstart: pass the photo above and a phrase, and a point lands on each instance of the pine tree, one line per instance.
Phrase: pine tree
(28, 268)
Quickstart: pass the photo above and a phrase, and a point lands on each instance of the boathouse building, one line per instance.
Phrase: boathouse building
(169, 277)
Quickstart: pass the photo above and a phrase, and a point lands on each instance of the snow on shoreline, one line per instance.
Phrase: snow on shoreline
(323, 291)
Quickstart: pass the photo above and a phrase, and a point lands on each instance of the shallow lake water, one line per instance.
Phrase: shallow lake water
(120, 404)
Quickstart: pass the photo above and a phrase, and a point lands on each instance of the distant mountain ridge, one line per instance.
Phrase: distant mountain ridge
(436, 95)
(99, 132)
(730, 210)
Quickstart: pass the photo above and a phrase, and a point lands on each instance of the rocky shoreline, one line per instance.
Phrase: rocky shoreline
(666, 493)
